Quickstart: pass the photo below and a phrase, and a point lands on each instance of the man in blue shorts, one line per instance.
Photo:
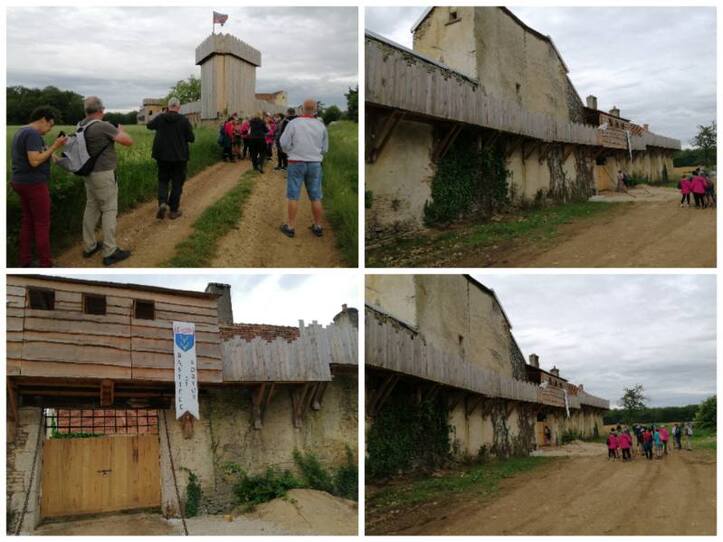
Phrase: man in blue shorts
(305, 141)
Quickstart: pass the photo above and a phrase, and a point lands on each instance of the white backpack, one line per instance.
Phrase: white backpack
(75, 156)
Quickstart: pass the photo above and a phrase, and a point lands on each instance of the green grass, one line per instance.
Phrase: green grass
(199, 249)
(341, 188)
(137, 182)
(532, 225)
(478, 481)
(704, 439)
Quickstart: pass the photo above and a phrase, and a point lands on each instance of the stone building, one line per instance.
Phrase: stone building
(150, 108)
(97, 358)
(449, 335)
(482, 73)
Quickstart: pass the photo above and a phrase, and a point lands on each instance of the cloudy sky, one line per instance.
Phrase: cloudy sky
(127, 54)
(613, 331)
(656, 64)
(265, 299)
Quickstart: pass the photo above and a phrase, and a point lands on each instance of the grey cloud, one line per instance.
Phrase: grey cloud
(613, 331)
(306, 51)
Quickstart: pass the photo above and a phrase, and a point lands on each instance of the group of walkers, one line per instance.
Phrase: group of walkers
(255, 138)
(300, 142)
(698, 183)
(651, 441)
(90, 153)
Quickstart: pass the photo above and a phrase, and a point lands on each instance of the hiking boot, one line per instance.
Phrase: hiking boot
(175, 214)
(316, 230)
(118, 256)
(89, 253)
(288, 232)
(161, 214)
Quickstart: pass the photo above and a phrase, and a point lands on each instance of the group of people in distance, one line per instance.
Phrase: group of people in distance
(301, 143)
(698, 183)
(650, 440)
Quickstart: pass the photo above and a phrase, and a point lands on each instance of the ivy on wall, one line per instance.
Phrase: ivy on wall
(468, 180)
(407, 434)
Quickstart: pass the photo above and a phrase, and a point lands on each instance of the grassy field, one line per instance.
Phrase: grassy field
(341, 187)
(480, 480)
(534, 225)
(137, 182)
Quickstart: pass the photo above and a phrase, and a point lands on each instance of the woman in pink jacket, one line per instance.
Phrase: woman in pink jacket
(697, 186)
(684, 186)
(613, 444)
(626, 442)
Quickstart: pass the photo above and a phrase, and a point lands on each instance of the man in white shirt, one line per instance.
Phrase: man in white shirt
(305, 141)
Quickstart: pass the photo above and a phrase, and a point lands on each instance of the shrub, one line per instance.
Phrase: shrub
(252, 490)
(705, 417)
(346, 478)
(193, 495)
(313, 475)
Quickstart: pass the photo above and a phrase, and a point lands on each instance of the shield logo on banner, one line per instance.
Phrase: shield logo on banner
(184, 341)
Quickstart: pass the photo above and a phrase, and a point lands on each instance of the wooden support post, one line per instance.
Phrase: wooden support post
(319, 395)
(566, 151)
(446, 141)
(187, 426)
(544, 152)
(512, 144)
(107, 397)
(490, 138)
(471, 402)
(12, 421)
(380, 133)
(528, 148)
(257, 396)
(300, 399)
(379, 395)
(453, 400)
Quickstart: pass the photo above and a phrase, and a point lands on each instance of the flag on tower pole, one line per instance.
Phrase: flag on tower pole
(218, 18)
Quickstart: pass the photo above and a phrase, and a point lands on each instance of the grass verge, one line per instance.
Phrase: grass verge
(341, 188)
(480, 480)
(533, 225)
(199, 249)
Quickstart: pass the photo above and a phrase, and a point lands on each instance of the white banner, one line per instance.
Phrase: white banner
(184, 361)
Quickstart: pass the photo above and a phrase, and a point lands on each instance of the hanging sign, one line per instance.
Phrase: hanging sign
(185, 367)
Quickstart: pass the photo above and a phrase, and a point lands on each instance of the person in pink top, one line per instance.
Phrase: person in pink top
(613, 444)
(697, 186)
(684, 186)
(664, 436)
(270, 136)
(245, 128)
(626, 442)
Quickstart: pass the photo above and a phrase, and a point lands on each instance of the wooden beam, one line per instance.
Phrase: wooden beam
(257, 395)
(319, 395)
(380, 133)
(544, 152)
(106, 393)
(380, 394)
(300, 399)
(453, 399)
(489, 139)
(528, 148)
(566, 151)
(512, 144)
(471, 402)
(12, 421)
(443, 145)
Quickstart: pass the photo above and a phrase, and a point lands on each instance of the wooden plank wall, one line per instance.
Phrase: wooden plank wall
(307, 359)
(400, 79)
(391, 346)
(66, 342)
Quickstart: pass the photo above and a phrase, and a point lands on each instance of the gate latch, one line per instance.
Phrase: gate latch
(105, 471)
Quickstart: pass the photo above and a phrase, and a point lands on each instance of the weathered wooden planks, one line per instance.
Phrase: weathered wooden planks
(391, 346)
(398, 78)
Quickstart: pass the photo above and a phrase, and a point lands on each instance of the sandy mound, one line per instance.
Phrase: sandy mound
(307, 511)
(574, 448)
(642, 192)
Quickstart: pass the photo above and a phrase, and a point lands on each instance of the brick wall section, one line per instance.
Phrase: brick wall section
(20, 454)
(267, 332)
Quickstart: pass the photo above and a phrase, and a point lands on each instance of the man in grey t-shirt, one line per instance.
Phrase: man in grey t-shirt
(101, 188)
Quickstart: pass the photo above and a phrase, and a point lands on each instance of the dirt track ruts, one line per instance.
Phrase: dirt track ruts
(585, 496)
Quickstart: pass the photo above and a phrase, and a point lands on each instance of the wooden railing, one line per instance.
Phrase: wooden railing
(306, 359)
(399, 78)
(394, 347)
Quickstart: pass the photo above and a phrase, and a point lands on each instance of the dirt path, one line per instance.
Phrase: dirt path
(153, 241)
(257, 241)
(585, 495)
(301, 512)
(649, 231)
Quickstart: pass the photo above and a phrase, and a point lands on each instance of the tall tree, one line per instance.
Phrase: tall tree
(706, 415)
(633, 402)
(705, 141)
(352, 104)
(186, 90)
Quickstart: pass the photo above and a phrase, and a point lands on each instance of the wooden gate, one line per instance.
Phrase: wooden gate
(100, 474)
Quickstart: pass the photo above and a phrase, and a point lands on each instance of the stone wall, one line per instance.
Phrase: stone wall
(20, 454)
(225, 435)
